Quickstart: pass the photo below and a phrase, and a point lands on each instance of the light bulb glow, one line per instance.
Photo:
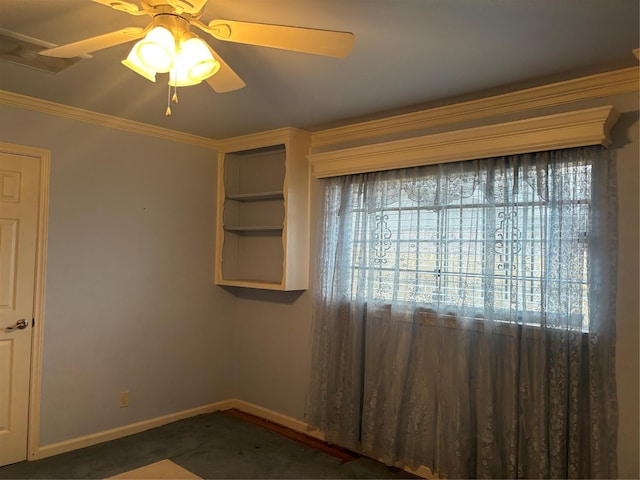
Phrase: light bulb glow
(198, 60)
(156, 50)
(193, 63)
(188, 62)
(134, 64)
(178, 78)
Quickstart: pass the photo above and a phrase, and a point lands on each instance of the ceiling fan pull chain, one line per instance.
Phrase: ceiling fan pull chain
(174, 99)
(167, 113)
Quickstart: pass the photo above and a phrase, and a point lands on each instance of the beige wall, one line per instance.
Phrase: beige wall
(129, 299)
(130, 303)
(259, 318)
(627, 149)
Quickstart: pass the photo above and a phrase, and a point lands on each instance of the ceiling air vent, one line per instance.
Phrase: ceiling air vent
(23, 50)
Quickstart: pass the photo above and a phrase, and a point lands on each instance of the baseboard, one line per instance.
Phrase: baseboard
(113, 434)
(302, 427)
(280, 419)
(246, 407)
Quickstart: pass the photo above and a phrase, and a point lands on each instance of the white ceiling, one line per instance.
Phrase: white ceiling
(408, 54)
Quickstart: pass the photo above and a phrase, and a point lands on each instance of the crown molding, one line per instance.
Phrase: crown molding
(260, 139)
(565, 130)
(569, 91)
(73, 113)
(584, 88)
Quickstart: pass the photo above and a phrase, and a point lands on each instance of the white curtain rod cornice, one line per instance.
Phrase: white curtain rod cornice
(590, 87)
(590, 126)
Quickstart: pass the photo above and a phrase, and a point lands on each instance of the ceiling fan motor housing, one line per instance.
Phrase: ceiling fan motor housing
(193, 7)
(178, 25)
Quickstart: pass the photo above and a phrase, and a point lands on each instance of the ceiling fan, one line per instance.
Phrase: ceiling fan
(177, 16)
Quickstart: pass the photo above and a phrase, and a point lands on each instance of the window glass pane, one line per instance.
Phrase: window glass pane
(478, 240)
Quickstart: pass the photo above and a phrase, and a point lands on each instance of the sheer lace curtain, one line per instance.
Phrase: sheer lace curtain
(465, 318)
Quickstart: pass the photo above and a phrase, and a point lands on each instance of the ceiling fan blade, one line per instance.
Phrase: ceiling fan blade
(192, 7)
(93, 44)
(225, 79)
(120, 5)
(307, 40)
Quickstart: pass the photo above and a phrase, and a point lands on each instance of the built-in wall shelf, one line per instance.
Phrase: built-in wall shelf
(262, 221)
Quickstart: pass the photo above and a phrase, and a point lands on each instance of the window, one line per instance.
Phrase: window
(481, 238)
(466, 319)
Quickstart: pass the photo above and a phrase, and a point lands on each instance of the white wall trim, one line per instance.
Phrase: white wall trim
(261, 139)
(73, 113)
(119, 432)
(246, 407)
(571, 129)
(559, 93)
(553, 94)
(38, 306)
(305, 428)
(280, 419)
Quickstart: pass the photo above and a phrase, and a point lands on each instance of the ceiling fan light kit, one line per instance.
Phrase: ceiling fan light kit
(171, 47)
(168, 46)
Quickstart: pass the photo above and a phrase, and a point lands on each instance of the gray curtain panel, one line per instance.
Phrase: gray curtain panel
(465, 316)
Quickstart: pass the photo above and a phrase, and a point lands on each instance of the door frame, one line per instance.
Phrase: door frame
(44, 158)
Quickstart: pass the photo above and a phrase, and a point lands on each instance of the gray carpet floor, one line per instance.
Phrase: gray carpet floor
(215, 445)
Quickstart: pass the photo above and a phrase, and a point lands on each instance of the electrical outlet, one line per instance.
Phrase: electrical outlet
(124, 399)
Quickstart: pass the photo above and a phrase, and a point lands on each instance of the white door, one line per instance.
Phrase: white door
(19, 190)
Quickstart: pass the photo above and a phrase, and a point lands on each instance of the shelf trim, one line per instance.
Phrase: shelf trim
(248, 283)
(255, 196)
(261, 228)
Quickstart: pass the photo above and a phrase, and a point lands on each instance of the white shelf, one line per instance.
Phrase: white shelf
(274, 228)
(262, 239)
(257, 196)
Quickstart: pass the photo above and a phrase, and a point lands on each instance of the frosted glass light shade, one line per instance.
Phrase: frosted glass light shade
(178, 78)
(156, 50)
(197, 59)
(133, 62)
(193, 63)
(188, 63)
